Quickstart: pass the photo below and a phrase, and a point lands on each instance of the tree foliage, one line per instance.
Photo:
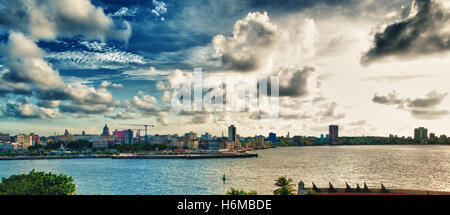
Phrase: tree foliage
(37, 183)
(234, 192)
(79, 144)
(310, 192)
(285, 186)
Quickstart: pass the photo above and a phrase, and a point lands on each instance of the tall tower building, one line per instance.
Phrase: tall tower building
(105, 131)
(333, 134)
(231, 133)
(420, 133)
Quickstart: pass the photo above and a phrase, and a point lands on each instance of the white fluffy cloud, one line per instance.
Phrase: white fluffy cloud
(49, 19)
(107, 84)
(251, 42)
(24, 63)
(26, 72)
(25, 110)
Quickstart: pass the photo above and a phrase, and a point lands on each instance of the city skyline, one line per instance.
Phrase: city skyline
(417, 133)
(345, 67)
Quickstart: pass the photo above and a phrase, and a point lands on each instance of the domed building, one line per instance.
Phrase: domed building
(106, 131)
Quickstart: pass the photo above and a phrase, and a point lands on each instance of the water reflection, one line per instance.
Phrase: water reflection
(408, 167)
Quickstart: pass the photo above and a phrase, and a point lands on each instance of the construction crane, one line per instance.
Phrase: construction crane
(145, 127)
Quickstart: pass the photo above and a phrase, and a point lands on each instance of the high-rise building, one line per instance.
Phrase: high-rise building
(105, 131)
(191, 141)
(259, 141)
(272, 137)
(420, 133)
(128, 136)
(66, 133)
(34, 139)
(231, 133)
(333, 134)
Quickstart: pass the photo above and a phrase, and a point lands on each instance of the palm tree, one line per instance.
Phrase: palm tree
(285, 186)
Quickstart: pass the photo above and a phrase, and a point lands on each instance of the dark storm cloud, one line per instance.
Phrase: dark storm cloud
(122, 115)
(14, 88)
(48, 103)
(23, 109)
(390, 99)
(297, 85)
(429, 114)
(420, 108)
(85, 109)
(432, 99)
(421, 34)
(292, 83)
(329, 113)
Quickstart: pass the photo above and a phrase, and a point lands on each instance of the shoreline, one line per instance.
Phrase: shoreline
(179, 156)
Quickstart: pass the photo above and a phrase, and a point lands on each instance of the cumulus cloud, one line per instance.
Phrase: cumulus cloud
(297, 84)
(107, 84)
(24, 63)
(329, 112)
(50, 19)
(163, 118)
(390, 99)
(431, 99)
(121, 115)
(124, 11)
(85, 110)
(7, 87)
(79, 94)
(25, 110)
(26, 72)
(251, 41)
(420, 108)
(48, 103)
(425, 31)
(429, 114)
(160, 8)
(145, 104)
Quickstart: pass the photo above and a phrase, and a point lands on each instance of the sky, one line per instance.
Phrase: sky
(372, 67)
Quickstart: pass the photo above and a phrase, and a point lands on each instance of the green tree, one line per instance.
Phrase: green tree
(234, 192)
(35, 147)
(285, 186)
(310, 192)
(37, 183)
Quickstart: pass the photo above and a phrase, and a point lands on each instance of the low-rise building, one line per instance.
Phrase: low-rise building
(6, 147)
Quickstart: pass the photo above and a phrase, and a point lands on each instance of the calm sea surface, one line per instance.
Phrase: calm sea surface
(407, 167)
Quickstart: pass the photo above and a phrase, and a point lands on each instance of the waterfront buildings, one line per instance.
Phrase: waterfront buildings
(272, 137)
(106, 131)
(333, 134)
(5, 137)
(420, 134)
(66, 138)
(99, 142)
(191, 141)
(231, 133)
(206, 137)
(6, 147)
(24, 139)
(128, 137)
